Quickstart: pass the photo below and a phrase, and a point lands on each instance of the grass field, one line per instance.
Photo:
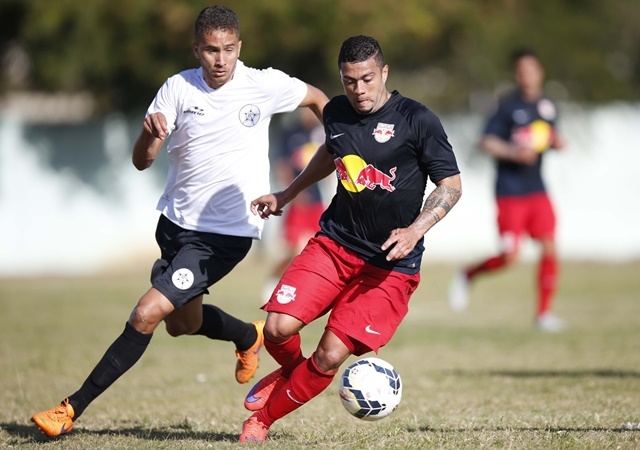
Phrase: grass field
(481, 379)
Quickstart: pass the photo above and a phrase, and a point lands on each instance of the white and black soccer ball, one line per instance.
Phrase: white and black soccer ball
(370, 389)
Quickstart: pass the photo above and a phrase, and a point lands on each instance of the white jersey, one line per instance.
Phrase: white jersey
(219, 146)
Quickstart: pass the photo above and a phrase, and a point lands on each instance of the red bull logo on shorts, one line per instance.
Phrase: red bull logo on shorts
(286, 294)
(355, 175)
(383, 132)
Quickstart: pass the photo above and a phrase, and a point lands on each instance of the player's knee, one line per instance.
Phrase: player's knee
(276, 332)
(151, 309)
(280, 327)
(145, 318)
(328, 359)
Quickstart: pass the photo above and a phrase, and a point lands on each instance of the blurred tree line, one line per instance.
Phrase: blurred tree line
(445, 53)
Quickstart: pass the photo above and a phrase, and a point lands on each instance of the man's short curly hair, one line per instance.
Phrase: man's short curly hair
(360, 48)
(216, 18)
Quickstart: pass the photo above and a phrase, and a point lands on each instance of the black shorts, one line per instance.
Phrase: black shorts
(191, 261)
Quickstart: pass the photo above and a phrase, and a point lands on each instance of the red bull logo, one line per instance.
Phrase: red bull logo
(341, 170)
(383, 132)
(355, 175)
(371, 177)
(538, 135)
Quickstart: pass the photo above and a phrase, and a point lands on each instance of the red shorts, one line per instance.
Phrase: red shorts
(367, 303)
(531, 214)
(302, 222)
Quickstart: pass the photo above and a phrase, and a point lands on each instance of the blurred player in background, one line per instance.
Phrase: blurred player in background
(218, 117)
(302, 217)
(517, 135)
(364, 264)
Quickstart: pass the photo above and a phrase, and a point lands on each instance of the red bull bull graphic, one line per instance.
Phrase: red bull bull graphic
(371, 177)
(355, 175)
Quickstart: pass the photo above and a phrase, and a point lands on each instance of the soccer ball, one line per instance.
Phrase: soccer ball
(370, 389)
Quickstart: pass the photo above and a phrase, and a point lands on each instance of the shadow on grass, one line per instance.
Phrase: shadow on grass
(31, 433)
(427, 429)
(605, 373)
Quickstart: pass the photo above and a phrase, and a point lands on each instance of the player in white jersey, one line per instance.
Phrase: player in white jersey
(218, 118)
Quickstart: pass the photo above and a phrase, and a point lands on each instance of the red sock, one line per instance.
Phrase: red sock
(489, 265)
(288, 353)
(305, 382)
(547, 280)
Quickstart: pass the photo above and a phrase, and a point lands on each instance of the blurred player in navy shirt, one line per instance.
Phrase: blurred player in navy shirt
(517, 136)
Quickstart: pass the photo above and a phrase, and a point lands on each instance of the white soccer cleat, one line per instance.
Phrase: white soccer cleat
(550, 323)
(459, 291)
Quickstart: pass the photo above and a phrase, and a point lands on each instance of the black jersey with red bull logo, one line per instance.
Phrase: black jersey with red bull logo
(383, 161)
(526, 123)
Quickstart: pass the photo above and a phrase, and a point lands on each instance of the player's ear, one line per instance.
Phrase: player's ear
(194, 47)
(385, 73)
(239, 47)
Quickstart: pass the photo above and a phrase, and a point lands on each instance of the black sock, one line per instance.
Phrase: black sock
(217, 324)
(125, 351)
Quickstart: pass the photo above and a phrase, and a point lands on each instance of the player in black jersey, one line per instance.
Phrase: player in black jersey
(364, 263)
(518, 136)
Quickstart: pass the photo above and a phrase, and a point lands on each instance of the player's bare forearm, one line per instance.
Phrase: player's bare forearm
(320, 166)
(439, 203)
(315, 100)
(508, 151)
(496, 147)
(145, 150)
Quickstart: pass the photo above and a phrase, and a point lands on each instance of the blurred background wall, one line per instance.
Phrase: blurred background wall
(76, 77)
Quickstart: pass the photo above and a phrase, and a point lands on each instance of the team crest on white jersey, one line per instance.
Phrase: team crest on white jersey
(286, 294)
(182, 279)
(249, 115)
(383, 132)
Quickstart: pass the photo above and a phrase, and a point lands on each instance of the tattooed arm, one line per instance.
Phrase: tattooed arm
(438, 204)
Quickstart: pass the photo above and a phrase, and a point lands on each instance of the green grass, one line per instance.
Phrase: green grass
(481, 379)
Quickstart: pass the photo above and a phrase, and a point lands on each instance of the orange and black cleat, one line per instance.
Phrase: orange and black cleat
(55, 421)
(247, 363)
